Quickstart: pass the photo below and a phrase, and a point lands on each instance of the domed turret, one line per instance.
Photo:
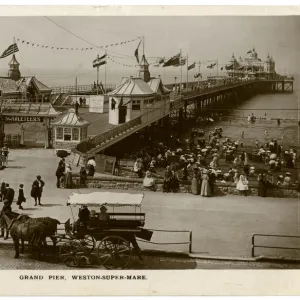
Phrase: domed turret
(233, 59)
(254, 53)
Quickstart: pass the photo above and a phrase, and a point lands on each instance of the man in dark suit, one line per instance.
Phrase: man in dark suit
(37, 189)
(9, 194)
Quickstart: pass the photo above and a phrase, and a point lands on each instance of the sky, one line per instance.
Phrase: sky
(201, 38)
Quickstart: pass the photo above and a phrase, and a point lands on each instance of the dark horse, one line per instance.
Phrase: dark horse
(4, 228)
(33, 230)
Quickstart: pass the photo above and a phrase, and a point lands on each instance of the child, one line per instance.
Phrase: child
(21, 197)
(2, 190)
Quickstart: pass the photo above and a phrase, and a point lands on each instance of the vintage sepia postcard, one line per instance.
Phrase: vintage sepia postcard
(149, 150)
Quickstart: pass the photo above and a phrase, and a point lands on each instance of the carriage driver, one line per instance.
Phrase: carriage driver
(103, 215)
(83, 215)
(93, 222)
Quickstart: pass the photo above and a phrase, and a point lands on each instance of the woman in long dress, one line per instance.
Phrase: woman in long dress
(262, 185)
(195, 188)
(242, 185)
(68, 180)
(205, 188)
(149, 181)
(214, 163)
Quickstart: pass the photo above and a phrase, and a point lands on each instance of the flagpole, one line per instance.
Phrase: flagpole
(105, 71)
(143, 45)
(76, 87)
(217, 68)
(199, 73)
(97, 75)
(180, 73)
(187, 72)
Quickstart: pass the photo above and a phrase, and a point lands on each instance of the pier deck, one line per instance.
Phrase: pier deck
(202, 100)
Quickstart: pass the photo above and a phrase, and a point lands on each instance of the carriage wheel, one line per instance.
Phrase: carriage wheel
(88, 242)
(114, 252)
(68, 254)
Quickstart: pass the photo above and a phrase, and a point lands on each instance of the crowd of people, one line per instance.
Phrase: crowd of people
(198, 159)
(64, 178)
(7, 195)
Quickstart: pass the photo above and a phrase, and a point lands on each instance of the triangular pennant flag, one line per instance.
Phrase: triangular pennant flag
(136, 52)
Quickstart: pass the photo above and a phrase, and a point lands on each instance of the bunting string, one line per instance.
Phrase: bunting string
(32, 44)
(121, 64)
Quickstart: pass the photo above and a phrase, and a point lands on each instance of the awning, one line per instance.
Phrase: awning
(12, 108)
(106, 198)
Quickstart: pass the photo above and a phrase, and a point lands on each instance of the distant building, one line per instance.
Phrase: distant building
(252, 66)
(30, 89)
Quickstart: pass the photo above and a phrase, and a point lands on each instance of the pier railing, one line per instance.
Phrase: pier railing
(161, 109)
(80, 88)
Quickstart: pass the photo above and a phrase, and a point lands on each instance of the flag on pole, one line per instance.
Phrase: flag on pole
(136, 52)
(161, 61)
(230, 67)
(221, 68)
(192, 66)
(211, 65)
(180, 62)
(10, 50)
(172, 61)
(99, 61)
(197, 75)
(250, 51)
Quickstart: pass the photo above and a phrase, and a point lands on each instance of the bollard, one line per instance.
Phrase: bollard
(190, 246)
(253, 246)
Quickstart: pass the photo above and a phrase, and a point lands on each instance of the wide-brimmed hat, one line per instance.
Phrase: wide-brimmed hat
(288, 174)
(103, 208)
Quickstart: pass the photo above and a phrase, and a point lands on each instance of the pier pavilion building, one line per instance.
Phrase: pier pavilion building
(252, 66)
(26, 111)
(27, 88)
(137, 95)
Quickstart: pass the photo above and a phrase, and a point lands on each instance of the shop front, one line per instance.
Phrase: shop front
(27, 124)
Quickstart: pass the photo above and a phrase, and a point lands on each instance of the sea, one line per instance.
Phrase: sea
(267, 108)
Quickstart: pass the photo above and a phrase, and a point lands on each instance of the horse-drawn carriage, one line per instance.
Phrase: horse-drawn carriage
(113, 239)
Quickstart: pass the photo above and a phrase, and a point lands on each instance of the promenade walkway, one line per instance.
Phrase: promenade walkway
(222, 226)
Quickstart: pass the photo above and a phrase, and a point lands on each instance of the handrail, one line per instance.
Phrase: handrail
(80, 88)
(253, 246)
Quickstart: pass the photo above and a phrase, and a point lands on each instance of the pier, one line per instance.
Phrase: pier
(195, 101)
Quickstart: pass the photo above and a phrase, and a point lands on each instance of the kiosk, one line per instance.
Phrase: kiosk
(69, 130)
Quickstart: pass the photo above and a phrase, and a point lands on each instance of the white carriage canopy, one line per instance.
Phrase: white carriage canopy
(106, 198)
